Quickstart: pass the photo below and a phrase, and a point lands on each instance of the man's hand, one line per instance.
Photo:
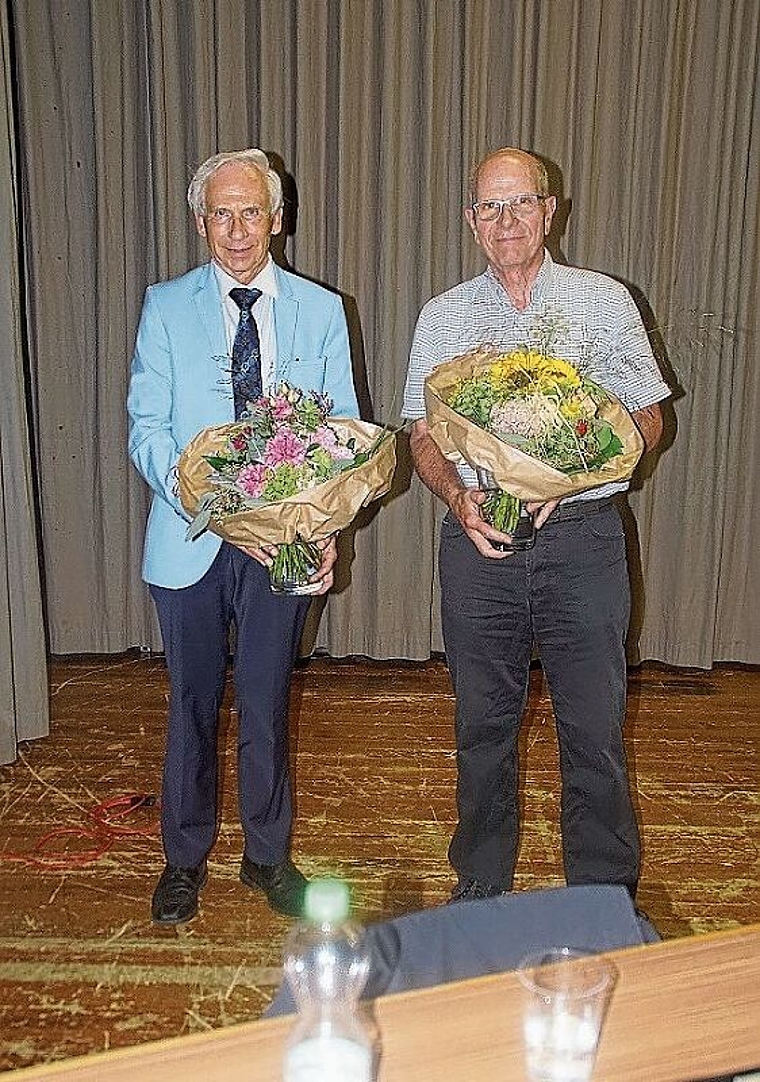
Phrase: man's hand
(263, 555)
(465, 505)
(650, 424)
(324, 573)
(478, 530)
(541, 511)
(442, 478)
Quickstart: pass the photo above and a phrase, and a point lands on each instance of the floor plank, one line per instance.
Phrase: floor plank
(82, 968)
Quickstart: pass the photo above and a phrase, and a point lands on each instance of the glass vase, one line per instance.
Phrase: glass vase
(293, 566)
(505, 513)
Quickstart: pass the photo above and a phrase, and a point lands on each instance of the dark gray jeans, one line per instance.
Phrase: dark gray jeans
(570, 595)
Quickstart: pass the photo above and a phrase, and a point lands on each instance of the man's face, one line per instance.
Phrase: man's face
(237, 224)
(511, 242)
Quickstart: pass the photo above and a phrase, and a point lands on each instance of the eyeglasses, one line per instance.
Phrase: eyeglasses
(223, 216)
(521, 206)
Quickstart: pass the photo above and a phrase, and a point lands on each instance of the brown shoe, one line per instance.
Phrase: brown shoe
(282, 883)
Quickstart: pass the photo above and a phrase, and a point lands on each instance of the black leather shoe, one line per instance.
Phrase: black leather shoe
(282, 883)
(175, 898)
(467, 890)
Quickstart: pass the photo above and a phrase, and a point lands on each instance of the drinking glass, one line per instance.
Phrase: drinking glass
(566, 993)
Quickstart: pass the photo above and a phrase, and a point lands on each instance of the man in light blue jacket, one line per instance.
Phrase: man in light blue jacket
(183, 380)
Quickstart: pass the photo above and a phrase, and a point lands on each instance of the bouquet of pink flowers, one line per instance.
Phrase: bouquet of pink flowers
(284, 475)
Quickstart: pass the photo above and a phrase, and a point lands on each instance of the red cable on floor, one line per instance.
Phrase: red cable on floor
(103, 831)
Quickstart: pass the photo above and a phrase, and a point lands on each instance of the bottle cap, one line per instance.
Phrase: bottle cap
(326, 901)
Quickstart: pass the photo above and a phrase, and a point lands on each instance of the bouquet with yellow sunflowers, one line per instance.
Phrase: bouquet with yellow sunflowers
(533, 422)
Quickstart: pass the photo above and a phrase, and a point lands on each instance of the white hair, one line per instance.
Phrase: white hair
(196, 192)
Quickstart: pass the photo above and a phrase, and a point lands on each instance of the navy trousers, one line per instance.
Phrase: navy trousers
(570, 595)
(195, 623)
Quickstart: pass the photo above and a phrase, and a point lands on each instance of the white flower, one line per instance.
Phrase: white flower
(527, 417)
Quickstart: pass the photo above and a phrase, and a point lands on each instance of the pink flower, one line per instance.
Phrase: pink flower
(327, 438)
(252, 479)
(281, 408)
(240, 441)
(284, 446)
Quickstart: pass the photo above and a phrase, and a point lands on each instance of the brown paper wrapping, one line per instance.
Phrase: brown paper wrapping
(311, 515)
(526, 478)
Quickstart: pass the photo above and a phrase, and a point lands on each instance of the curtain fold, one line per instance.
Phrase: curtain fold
(377, 110)
(697, 516)
(23, 666)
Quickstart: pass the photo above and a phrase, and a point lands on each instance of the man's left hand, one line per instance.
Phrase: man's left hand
(541, 511)
(324, 574)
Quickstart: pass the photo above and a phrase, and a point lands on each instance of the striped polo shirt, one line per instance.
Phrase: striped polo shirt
(580, 315)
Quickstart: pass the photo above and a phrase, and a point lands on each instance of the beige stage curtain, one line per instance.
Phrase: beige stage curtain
(649, 114)
(23, 665)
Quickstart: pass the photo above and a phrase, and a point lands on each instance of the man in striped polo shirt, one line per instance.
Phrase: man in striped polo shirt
(570, 594)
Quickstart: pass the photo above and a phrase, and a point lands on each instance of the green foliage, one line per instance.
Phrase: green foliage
(474, 398)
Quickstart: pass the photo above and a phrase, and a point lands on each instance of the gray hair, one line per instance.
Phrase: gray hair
(196, 192)
(542, 177)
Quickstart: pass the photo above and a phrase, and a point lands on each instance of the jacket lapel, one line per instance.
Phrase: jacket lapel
(209, 347)
(285, 320)
(209, 309)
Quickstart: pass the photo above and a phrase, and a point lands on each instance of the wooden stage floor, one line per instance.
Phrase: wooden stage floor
(82, 968)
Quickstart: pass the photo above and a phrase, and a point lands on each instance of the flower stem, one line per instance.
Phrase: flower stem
(295, 563)
(501, 510)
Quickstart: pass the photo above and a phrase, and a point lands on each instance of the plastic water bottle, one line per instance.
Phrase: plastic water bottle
(326, 964)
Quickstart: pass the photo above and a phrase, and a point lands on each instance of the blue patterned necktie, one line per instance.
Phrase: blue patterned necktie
(246, 352)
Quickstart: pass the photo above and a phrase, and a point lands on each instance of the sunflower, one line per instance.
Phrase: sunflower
(526, 371)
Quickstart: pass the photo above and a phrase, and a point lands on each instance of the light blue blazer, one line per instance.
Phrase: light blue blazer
(180, 383)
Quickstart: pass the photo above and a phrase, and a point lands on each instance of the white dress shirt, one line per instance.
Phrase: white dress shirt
(262, 312)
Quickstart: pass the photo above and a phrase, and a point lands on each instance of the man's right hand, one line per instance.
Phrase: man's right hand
(264, 555)
(442, 478)
(465, 505)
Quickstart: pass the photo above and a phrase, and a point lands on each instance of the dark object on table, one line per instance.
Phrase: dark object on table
(492, 935)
